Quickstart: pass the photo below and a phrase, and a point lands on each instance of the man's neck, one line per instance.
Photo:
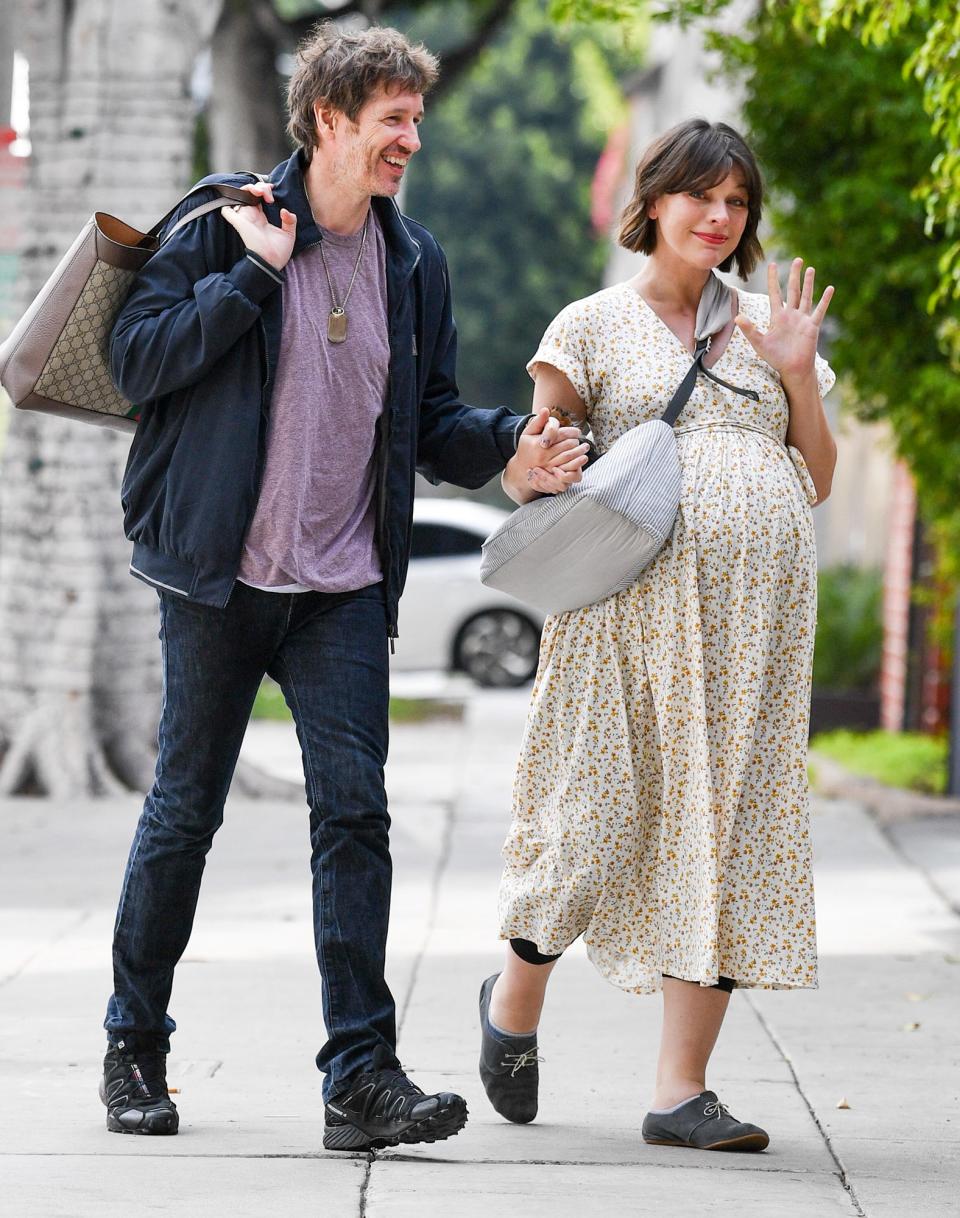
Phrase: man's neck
(334, 208)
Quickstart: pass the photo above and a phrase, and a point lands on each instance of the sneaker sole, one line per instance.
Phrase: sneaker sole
(157, 1124)
(436, 1128)
(749, 1142)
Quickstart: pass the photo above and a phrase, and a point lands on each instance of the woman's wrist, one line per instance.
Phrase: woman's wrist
(800, 381)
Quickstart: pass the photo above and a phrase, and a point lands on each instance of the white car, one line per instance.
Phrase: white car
(448, 619)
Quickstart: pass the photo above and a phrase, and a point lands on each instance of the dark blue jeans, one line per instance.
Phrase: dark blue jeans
(328, 652)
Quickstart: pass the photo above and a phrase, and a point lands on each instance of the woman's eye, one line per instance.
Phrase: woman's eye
(695, 194)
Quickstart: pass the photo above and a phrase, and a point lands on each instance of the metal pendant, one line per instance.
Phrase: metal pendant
(337, 325)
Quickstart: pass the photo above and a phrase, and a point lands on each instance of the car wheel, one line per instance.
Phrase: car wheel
(498, 648)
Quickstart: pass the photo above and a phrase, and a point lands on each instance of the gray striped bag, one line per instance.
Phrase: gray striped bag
(592, 540)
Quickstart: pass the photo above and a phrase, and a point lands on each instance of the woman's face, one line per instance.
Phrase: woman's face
(702, 227)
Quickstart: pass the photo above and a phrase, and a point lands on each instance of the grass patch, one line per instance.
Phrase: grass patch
(910, 760)
(271, 705)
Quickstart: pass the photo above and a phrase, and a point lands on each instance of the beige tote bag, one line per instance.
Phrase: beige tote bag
(56, 359)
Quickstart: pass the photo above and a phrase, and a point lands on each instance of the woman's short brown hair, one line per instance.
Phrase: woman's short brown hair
(344, 69)
(694, 155)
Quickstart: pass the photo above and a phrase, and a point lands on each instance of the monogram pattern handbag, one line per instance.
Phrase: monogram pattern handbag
(56, 359)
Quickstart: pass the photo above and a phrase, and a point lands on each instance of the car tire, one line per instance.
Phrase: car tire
(498, 648)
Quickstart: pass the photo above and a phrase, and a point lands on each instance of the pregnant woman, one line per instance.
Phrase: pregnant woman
(660, 804)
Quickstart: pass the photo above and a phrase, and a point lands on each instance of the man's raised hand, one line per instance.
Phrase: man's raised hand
(272, 243)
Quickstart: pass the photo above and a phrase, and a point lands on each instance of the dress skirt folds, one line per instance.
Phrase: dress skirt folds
(660, 804)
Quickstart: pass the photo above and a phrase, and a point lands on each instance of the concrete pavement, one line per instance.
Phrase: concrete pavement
(880, 1034)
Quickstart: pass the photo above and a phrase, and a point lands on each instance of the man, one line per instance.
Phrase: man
(295, 362)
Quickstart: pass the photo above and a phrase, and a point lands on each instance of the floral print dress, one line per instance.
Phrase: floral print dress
(660, 802)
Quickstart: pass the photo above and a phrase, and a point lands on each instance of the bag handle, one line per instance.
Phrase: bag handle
(234, 193)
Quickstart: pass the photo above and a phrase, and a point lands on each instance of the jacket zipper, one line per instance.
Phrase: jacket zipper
(382, 534)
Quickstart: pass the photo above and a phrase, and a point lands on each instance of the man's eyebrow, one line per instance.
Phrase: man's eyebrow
(403, 110)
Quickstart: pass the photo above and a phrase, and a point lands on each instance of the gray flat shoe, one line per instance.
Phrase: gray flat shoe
(704, 1124)
(508, 1066)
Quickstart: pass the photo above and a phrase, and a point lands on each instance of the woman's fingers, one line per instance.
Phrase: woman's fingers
(806, 296)
(793, 284)
(820, 311)
(566, 454)
(773, 289)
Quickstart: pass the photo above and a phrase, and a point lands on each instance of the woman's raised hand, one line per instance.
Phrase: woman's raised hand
(790, 342)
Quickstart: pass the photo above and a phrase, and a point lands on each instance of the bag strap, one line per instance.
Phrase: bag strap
(234, 193)
(685, 388)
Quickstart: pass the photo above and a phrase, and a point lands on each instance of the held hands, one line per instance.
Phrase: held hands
(549, 458)
(272, 244)
(790, 343)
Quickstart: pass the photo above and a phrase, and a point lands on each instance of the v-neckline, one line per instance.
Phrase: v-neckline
(645, 304)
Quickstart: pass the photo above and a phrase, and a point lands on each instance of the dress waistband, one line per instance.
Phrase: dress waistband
(727, 425)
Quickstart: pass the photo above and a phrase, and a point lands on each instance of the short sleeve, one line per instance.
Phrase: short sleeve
(826, 377)
(564, 345)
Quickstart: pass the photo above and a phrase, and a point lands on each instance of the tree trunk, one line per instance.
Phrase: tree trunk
(246, 110)
(111, 129)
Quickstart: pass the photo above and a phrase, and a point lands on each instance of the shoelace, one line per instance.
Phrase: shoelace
(529, 1057)
(715, 1108)
(145, 1072)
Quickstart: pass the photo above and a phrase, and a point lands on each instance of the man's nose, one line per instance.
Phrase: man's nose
(410, 139)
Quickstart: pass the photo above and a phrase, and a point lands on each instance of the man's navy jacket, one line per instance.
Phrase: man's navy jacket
(196, 347)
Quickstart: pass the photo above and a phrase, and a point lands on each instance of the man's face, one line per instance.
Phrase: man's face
(370, 155)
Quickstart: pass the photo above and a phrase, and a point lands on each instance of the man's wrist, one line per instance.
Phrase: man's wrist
(515, 484)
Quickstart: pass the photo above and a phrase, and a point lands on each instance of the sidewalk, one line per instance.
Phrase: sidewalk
(880, 1033)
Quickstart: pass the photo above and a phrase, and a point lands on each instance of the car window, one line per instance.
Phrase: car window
(443, 541)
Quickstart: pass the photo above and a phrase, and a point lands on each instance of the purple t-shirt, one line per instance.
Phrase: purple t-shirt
(315, 518)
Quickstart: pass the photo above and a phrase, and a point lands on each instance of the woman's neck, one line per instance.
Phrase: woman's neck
(671, 283)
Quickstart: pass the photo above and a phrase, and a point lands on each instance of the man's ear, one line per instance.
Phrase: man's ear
(325, 117)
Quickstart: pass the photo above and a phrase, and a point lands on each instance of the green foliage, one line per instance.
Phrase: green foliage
(929, 30)
(900, 759)
(927, 33)
(849, 629)
(844, 137)
(270, 705)
(503, 180)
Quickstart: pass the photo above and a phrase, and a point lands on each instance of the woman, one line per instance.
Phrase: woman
(660, 805)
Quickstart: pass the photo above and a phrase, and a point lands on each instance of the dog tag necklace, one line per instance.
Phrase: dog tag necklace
(337, 317)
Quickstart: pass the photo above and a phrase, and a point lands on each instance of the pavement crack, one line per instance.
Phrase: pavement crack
(439, 870)
(364, 1185)
(827, 1140)
(888, 834)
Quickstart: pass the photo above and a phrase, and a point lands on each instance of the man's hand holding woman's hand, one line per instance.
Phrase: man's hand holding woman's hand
(272, 243)
(549, 458)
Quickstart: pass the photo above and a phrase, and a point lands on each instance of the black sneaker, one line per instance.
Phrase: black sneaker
(509, 1067)
(134, 1090)
(382, 1107)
